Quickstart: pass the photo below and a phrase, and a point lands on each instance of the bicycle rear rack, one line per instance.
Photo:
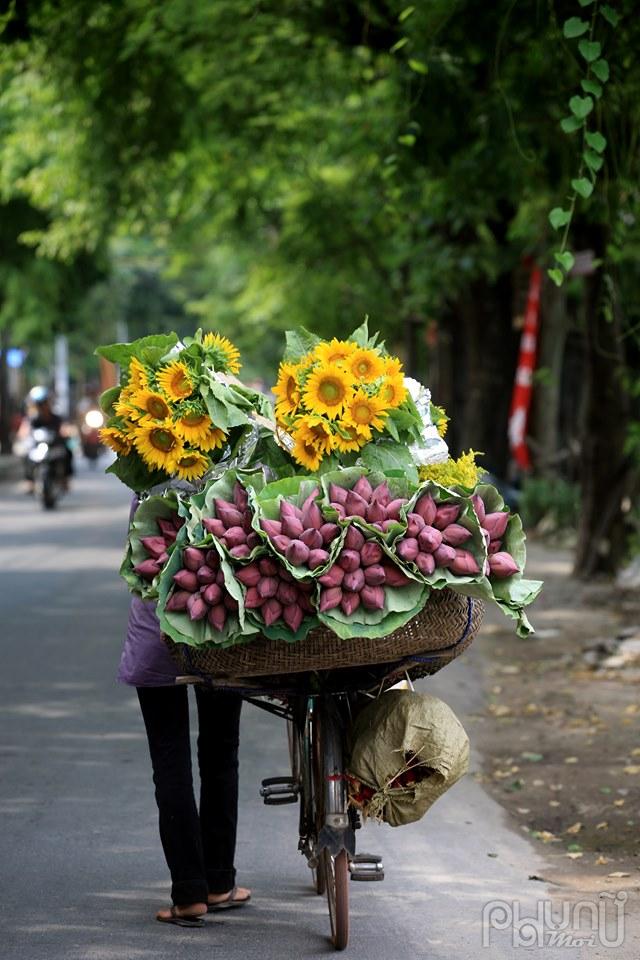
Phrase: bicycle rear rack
(277, 790)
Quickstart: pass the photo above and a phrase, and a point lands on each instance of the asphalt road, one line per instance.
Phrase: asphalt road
(81, 868)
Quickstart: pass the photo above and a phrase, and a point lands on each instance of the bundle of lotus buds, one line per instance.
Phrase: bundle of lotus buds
(499, 562)
(200, 589)
(232, 524)
(157, 547)
(302, 535)
(274, 594)
(373, 504)
(434, 539)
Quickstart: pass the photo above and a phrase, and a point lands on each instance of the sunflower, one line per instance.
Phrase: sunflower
(306, 453)
(317, 432)
(151, 404)
(350, 438)
(158, 443)
(125, 408)
(393, 391)
(439, 419)
(138, 376)
(365, 411)
(190, 464)
(392, 366)
(193, 426)
(175, 380)
(286, 389)
(116, 439)
(327, 390)
(213, 439)
(366, 365)
(334, 351)
(226, 357)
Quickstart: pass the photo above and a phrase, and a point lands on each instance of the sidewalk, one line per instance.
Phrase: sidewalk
(10, 467)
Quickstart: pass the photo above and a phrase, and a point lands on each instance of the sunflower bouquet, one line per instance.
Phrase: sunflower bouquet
(343, 400)
(178, 408)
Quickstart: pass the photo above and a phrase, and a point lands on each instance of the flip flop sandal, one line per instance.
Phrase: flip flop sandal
(180, 920)
(229, 902)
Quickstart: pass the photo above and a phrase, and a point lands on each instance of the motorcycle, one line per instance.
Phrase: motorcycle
(47, 456)
(90, 441)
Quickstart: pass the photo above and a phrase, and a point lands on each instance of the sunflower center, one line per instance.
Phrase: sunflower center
(157, 408)
(186, 462)
(388, 393)
(162, 440)
(362, 368)
(194, 419)
(331, 391)
(180, 382)
(362, 413)
(319, 432)
(292, 390)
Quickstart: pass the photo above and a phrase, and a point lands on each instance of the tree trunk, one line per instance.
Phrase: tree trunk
(5, 413)
(547, 393)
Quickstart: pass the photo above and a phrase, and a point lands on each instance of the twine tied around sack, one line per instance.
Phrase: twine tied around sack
(374, 807)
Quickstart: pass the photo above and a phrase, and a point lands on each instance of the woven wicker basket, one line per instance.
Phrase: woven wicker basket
(439, 633)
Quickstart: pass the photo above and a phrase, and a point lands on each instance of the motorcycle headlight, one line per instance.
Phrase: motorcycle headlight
(94, 419)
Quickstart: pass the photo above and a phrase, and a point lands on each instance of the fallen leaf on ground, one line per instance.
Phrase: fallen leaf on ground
(576, 828)
(555, 786)
(632, 708)
(600, 862)
(570, 759)
(494, 855)
(500, 710)
(632, 769)
(523, 810)
(545, 835)
(636, 752)
(602, 826)
(618, 803)
(538, 783)
(618, 874)
(533, 757)
(554, 803)
(574, 856)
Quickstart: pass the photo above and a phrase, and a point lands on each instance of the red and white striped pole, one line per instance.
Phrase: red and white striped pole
(523, 386)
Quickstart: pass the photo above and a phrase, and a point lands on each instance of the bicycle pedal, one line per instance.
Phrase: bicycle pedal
(366, 867)
(278, 790)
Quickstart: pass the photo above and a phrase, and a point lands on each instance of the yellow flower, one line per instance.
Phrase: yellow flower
(116, 440)
(392, 366)
(193, 427)
(138, 378)
(393, 391)
(214, 439)
(316, 431)
(334, 351)
(350, 438)
(125, 408)
(366, 365)
(150, 403)
(327, 390)
(158, 443)
(306, 453)
(463, 472)
(286, 389)
(190, 465)
(175, 380)
(439, 419)
(365, 411)
(226, 357)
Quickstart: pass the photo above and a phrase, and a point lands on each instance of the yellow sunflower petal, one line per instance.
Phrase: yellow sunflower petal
(226, 355)
(334, 351)
(150, 403)
(393, 391)
(175, 380)
(213, 440)
(190, 465)
(392, 366)
(116, 439)
(350, 438)
(158, 443)
(138, 376)
(365, 411)
(365, 365)
(193, 427)
(317, 432)
(306, 453)
(286, 389)
(327, 390)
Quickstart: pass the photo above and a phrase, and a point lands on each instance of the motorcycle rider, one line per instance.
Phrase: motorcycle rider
(44, 418)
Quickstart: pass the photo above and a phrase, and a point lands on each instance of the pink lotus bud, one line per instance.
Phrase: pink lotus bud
(444, 555)
(192, 558)
(186, 580)
(212, 559)
(268, 567)
(284, 574)
(234, 536)
(271, 611)
(249, 576)
(214, 526)
(289, 510)
(372, 598)
(355, 506)
(337, 494)
(240, 497)
(329, 531)
(370, 554)
(363, 488)
(253, 540)
(267, 587)
(426, 508)
(408, 549)
(311, 497)
(287, 593)
(162, 559)
(305, 601)
(445, 514)
(241, 552)
(311, 516)
(230, 603)
(292, 528)
(212, 594)
(381, 494)
(220, 578)
(354, 581)
(228, 514)
(350, 603)
(281, 543)
(502, 565)
(330, 598)
(376, 512)
(478, 506)
(349, 560)
(196, 607)
(217, 617)
(354, 540)
(247, 525)
(340, 509)
(496, 523)
(374, 576)
(426, 564)
(252, 599)
(394, 508)
(394, 577)
(148, 569)
(415, 524)
(494, 546)
(464, 564)
(455, 534)
(333, 577)
(206, 575)
(155, 546)
(312, 538)
(272, 528)
(167, 529)
(178, 600)
(297, 553)
(386, 525)
(317, 558)
(292, 616)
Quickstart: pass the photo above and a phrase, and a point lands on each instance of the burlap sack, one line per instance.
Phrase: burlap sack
(401, 723)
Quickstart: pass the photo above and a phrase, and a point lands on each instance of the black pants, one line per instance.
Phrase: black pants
(199, 847)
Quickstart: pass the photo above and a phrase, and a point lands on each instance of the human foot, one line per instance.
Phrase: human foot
(189, 915)
(236, 897)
